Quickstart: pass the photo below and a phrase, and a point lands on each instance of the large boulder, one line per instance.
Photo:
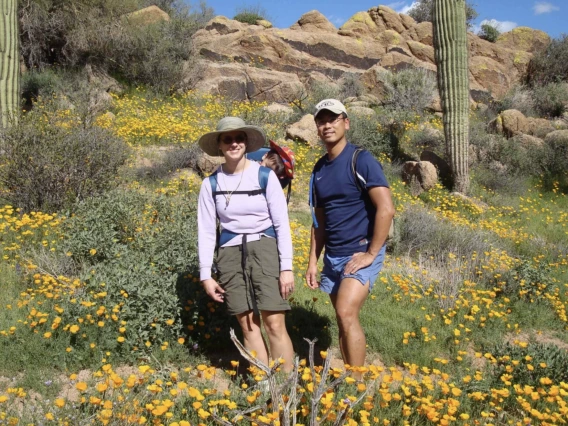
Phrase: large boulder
(304, 130)
(314, 21)
(509, 123)
(524, 38)
(528, 141)
(558, 138)
(380, 36)
(540, 127)
(422, 172)
(240, 82)
(443, 168)
(147, 16)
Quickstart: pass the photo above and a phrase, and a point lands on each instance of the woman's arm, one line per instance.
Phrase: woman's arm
(206, 229)
(278, 210)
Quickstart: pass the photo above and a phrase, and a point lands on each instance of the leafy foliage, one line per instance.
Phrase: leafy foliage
(551, 100)
(411, 89)
(102, 34)
(489, 32)
(50, 160)
(250, 14)
(145, 248)
(364, 132)
(549, 65)
(422, 11)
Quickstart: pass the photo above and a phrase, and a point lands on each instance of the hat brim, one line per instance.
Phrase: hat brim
(331, 109)
(256, 139)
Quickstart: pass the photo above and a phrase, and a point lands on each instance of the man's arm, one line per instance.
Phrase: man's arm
(317, 242)
(382, 200)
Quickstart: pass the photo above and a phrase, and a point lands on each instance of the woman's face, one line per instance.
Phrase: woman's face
(233, 144)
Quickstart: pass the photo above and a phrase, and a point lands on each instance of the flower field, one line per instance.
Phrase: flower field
(102, 320)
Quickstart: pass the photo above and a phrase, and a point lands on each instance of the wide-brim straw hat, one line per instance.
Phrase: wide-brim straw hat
(256, 138)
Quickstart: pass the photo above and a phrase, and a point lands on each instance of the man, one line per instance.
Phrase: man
(351, 223)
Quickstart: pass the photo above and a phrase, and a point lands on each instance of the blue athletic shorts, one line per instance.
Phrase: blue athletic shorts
(332, 273)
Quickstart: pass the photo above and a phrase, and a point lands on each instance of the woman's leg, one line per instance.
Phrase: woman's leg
(280, 343)
(253, 339)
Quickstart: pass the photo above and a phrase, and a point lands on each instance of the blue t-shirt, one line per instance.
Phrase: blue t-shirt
(349, 213)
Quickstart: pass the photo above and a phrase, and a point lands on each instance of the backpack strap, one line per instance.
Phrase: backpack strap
(359, 180)
(263, 173)
(313, 200)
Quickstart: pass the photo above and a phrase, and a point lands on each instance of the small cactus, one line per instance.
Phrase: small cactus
(450, 48)
(9, 61)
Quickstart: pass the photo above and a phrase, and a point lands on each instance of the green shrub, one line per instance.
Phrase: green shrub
(410, 89)
(37, 83)
(97, 33)
(549, 65)
(350, 85)
(489, 32)
(422, 11)
(520, 98)
(557, 159)
(173, 160)
(546, 360)
(249, 14)
(50, 160)
(365, 132)
(551, 100)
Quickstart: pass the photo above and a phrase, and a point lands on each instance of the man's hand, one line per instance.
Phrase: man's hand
(358, 261)
(286, 282)
(311, 276)
(214, 290)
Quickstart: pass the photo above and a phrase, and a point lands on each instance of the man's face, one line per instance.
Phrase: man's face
(331, 127)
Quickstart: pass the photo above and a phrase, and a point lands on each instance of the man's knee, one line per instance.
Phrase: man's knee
(346, 315)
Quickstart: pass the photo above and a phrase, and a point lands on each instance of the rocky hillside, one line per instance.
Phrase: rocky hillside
(265, 63)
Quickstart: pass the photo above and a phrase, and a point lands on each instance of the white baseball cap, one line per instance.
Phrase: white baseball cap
(332, 105)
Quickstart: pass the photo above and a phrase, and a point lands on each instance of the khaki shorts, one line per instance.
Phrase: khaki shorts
(263, 269)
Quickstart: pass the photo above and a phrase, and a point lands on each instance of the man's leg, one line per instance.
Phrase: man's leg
(280, 343)
(348, 303)
(253, 339)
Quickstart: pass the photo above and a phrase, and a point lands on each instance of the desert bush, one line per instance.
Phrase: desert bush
(410, 89)
(250, 14)
(551, 100)
(36, 83)
(549, 65)
(50, 160)
(365, 132)
(489, 32)
(557, 159)
(424, 233)
(518, 97)
(142, 244)
(97, 33)
(350, 85)
(422, 11)
(307, 98)
(173, 160)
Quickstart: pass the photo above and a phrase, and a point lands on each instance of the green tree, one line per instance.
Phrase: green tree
(423, 11)
(9, 61)
(549, 65)
(450, 49)
(489, 32)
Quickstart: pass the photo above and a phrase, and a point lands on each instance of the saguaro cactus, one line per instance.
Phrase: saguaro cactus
(450, 48)
(9, 61)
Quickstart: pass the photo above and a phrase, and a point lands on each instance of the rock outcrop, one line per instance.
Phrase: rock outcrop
(368, 44)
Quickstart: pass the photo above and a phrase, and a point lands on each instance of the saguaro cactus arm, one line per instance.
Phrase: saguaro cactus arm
(450, 48)
(9, 61)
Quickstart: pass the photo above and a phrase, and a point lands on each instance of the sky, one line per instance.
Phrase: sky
(550, 16)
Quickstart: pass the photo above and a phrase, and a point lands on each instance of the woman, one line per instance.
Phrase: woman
(254, 258)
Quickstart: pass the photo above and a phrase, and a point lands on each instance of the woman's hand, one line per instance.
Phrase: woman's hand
(213, 290)
(286, 282)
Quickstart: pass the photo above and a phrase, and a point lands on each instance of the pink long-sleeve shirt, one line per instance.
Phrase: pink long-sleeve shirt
(243, 215)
